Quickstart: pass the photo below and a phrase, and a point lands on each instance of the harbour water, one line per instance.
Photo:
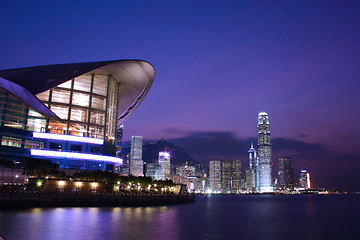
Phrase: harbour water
(210, 217)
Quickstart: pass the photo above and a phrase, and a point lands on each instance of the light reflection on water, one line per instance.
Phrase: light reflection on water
(211, 217)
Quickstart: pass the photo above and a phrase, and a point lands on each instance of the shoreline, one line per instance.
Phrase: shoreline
(30, 200)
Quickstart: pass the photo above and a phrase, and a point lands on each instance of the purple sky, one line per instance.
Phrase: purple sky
(218, 64)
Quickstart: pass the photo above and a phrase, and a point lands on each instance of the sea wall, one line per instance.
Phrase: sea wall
(27, 200)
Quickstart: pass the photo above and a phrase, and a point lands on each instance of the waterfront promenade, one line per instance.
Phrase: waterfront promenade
(27, 200)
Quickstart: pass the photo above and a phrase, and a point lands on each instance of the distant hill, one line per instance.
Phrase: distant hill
(151, 153)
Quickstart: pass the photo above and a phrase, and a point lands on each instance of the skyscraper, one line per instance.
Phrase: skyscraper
(236, 175)
(215, 175)
(136, 162)
(164, 162)
(119, 135)
(286, 173)
(226, 172)
(251, 179)
(304, 180)
(264, 151)
(231, 176)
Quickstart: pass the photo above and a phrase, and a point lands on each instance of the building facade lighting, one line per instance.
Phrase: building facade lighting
(60, 137)
(73, 155)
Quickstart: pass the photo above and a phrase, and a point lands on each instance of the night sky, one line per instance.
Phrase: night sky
(218, 64)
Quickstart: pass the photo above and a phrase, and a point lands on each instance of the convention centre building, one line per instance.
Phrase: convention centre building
(72, 113)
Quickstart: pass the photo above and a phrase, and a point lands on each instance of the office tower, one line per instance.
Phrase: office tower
(136, 162)
(164, 162)
(264, 152)
(236, 175)
(304, 180)
(286, 173)
(119, 135)
(226, 181)
(215, 176)
(231, 176)
(251, 171)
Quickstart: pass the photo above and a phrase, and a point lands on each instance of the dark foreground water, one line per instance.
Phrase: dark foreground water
(211, 217)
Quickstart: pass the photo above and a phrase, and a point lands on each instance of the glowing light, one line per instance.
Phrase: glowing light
(118, 182)
(78, 184)
(94, 184)
(39, 183)
(61, 183)
(73, 155)
(164, 154)
(67, 138)
(308, 180)
(16, 176)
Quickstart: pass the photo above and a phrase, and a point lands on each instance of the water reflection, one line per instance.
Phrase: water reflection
(215, 217)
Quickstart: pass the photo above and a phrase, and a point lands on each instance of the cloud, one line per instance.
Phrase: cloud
(303, 135)
(205, 146)
(280, 144)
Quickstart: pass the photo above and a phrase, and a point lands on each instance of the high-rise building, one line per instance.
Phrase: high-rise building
(226, 176)
(136, 162)
(286, 173)
(236, 175)
(164, 162)
(215, 176)
(251, 171)
(304, 180)
(231, 176)
(119, 136)
(264, 152)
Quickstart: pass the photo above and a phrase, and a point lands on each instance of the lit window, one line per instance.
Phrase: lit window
(83, 83)
(80, 99)
(11, 142)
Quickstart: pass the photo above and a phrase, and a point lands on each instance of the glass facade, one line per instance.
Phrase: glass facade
(82, 103)
(83, 133)
(264, 153)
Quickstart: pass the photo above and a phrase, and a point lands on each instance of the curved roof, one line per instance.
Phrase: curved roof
(135, 78)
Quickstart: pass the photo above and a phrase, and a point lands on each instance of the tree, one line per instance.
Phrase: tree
(39, 167)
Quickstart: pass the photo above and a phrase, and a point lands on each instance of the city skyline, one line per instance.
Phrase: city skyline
(218, 65)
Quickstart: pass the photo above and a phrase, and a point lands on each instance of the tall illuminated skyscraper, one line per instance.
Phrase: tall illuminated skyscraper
(304, 180)
(251, 178)
(264, 152)
(136, 162)
(164, 162)
(215, 175)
